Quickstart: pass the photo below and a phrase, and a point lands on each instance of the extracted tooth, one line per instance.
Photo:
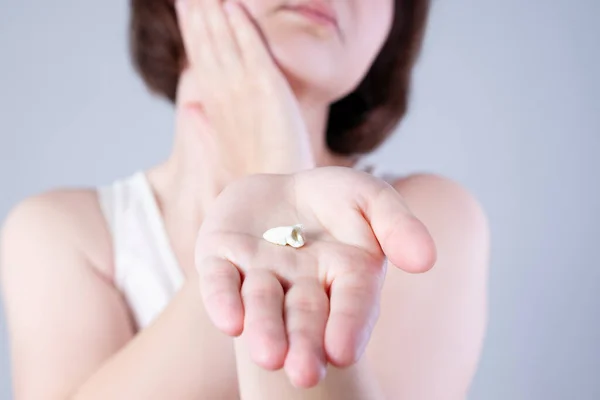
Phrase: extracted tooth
(286, 235)
(296, 238)
(278, 235)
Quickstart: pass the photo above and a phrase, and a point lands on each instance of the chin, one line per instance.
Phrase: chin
(319, 76)
(316, 68)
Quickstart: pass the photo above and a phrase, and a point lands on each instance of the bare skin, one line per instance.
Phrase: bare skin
(71, 332)
(89, 347)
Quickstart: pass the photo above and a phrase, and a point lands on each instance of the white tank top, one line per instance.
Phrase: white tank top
(146, 269)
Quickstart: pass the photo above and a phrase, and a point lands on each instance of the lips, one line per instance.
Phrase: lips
(319, 11)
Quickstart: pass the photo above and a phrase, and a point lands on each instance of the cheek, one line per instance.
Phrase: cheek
(373, 24)
(330, 66)
(260, 8)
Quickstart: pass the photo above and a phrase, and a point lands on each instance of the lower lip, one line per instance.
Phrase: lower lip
(314, 16)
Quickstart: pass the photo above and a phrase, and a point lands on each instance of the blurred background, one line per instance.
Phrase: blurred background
(506, 101)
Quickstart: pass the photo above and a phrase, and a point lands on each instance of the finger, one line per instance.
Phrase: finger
(220, 283)
(404, 239)
(391, 228)
(221, 36)
(306, 311)
(250, 41)
(354, 309)
(248, 250)
(195, 35)
(263, 326)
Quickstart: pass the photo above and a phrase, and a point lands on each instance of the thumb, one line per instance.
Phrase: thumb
(404, 239)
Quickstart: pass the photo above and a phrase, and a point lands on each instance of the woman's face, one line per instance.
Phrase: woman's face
(324, 46)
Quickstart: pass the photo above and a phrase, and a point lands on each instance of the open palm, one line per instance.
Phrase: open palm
(303, 308)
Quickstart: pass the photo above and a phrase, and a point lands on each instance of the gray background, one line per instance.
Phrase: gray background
(506, 102)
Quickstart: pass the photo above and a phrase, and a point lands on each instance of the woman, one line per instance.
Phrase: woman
(161, 286)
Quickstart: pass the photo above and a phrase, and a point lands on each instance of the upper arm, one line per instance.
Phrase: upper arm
(64, 317)
(428, 339)
(456, 221)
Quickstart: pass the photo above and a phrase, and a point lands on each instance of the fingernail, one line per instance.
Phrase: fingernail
(180, 5)
(229, 6)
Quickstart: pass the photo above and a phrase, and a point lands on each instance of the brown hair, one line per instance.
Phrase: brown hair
(358, 123)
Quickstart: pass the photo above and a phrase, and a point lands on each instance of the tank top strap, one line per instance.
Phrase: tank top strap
(375, 169)
(146, 269)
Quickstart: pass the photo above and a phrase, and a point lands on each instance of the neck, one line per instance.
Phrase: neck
(189, 182)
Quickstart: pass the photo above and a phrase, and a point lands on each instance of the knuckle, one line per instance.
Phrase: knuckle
(269, 327)
(261, 290)
(300, 332)
(238, 81)
(220, 97)
(238, 86)
(265, 85)
(217, 273)
(261, 295)
(305, 303)
(217, 297)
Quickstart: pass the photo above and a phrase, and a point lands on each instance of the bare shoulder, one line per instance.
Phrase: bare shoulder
(437, 198)
(68, 220)
(454, 216)
(441, 315)
(54, 263)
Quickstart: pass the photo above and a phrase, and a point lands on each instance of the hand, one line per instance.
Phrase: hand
(246, 99)
(302, 308)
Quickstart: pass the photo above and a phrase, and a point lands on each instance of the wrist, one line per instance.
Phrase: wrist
(357, 382)
(285, 164)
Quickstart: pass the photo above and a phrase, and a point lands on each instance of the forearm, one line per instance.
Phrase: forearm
(354, 383)
(175, 358)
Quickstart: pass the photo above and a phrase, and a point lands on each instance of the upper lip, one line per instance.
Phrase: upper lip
(321, 7)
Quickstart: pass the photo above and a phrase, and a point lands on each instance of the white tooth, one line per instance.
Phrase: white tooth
(296, 237)
(278, 235)
(286, 235)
